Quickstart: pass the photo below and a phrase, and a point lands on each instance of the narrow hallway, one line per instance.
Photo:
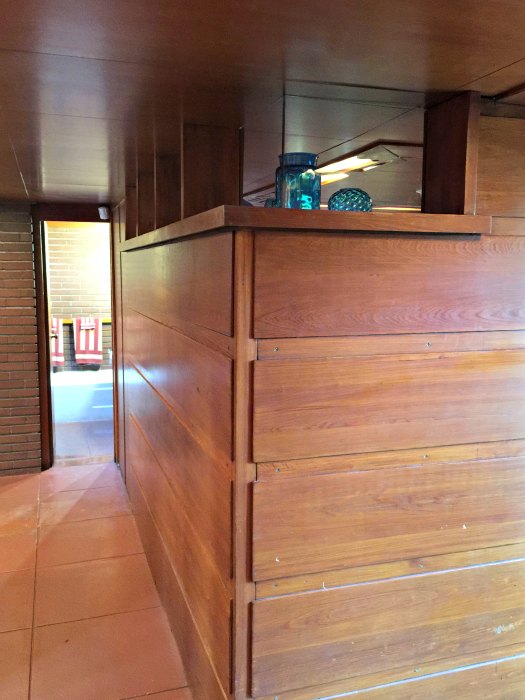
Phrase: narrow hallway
(80, 618)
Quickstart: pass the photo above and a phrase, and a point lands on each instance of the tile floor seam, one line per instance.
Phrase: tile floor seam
(37, 539)
(87, 488)
(97, 617)
(157, 692)
(83, 490)
(15, 571)
(86, 561)
(83, 520)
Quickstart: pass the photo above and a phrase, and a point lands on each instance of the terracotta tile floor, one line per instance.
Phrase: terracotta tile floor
(80, 618)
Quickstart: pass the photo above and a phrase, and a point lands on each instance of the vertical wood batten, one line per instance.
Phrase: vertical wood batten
(245, 354)
(450, 155)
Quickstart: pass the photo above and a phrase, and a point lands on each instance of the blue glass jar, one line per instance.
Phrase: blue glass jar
(300, 185)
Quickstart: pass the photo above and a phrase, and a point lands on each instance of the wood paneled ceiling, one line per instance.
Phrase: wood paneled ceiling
(82, 82)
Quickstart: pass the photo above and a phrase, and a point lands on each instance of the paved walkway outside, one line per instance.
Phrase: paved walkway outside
(80, 618)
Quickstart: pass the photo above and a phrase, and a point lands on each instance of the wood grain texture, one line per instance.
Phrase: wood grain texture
(145, 198)
(190, 281)
(501, 678)
(204, 589)
(309, 408)
(195, 380)
(265, 220)
(131, 212)
(341, 520)
(497, 681)
(167, 189)
(336, 578)
(508, 226)
(299, 348)
(177, 324)
(327, 636)
(450, 174)
(501, 190)
(211, 167)
(200, 479)
(396, 458)
(203, 680)
(388, 285)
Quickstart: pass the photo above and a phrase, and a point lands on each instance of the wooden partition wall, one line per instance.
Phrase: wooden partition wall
(325, 448)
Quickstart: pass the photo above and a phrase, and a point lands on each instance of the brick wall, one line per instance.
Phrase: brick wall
(78, 257)
(19, 400)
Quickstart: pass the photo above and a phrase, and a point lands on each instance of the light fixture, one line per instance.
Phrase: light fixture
(332, 177)
(103, 213)
(397, 208)
(347, 165)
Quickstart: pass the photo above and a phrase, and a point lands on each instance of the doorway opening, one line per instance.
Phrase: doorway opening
(78, 273)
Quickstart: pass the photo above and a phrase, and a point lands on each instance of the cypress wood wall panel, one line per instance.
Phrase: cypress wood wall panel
(194, 379)
(478, 682)
(190, 282)
(205, 682)
(381, 285)
(312, 408)
(324, 636)
(189, 469)
(501, 189)
(177, 321)
(341, 520)
(199, 581)
(325, 448)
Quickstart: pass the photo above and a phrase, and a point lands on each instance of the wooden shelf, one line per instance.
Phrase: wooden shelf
(232, 217)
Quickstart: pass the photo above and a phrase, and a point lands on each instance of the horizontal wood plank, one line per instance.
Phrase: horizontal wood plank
(206, 592)
(194, 379)
(387, 570)
(187, 280)
(340, 520)
(201, 482)
(327, 636)
(335, 285)
(313, 408)
(201, 673)
(384, 460)
(501, 677)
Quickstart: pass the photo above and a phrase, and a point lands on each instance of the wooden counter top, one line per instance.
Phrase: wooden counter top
(232, 217)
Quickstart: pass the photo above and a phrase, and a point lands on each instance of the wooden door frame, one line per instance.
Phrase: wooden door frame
(40, 213)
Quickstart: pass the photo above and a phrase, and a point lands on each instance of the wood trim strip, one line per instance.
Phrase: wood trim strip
(508, 226)
(42, 325)
(245, 352)
(450, 175)
(213, 340)
(386, 460)
(410, 343)
(233, 217)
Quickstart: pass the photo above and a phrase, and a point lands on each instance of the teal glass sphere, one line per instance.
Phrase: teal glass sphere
(350, 199)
